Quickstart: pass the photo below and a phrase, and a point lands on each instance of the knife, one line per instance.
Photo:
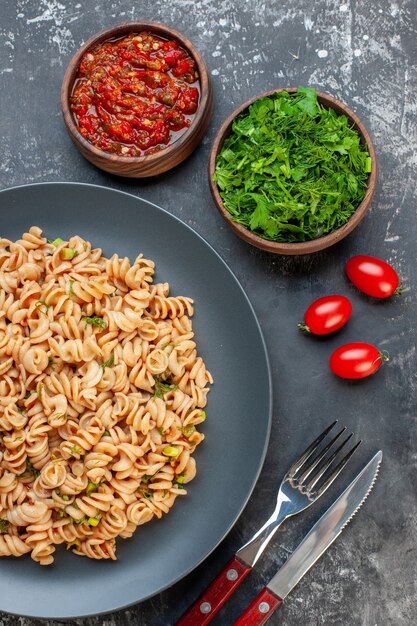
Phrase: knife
(316, 542)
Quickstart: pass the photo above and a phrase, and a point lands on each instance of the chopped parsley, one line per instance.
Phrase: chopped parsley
(56, 242)
(292, 170)
(42, 306)
(95, 320)
(31, 468)
(163, 386)
(71, 290)
(4, 526)
(109, 362)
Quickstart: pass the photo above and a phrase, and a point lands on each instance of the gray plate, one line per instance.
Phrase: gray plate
(238, 412)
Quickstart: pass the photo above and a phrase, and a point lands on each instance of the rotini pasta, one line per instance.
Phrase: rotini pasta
(101, 393)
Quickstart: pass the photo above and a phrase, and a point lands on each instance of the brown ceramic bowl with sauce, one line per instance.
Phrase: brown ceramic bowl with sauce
(166, 157)
(313, 245)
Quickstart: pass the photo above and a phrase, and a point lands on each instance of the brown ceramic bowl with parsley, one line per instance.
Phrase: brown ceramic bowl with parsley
(137, 99)
(293, 178)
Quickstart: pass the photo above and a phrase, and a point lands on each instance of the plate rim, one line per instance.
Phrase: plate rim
(270, 400)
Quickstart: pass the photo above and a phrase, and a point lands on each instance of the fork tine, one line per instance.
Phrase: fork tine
(325, 464)
(337, 470)
(309, 470)
(309, 451)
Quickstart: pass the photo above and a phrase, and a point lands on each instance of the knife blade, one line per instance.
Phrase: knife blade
(315, 543)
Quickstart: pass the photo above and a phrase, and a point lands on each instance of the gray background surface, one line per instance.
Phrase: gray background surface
(364, 54)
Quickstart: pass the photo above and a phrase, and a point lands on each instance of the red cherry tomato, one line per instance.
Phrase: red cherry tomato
(326, 315)
(373, 276)
(356, 360)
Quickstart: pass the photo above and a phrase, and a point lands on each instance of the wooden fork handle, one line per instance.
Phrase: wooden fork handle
(260, 610)
(212, 599)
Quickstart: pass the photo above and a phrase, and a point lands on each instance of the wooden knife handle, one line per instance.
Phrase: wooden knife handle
(212, 599)
(260, 610)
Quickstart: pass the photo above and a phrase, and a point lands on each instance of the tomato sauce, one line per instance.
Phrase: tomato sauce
(135, 95)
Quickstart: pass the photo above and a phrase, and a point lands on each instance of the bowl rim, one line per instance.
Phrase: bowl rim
(120, 29)
(313, 245)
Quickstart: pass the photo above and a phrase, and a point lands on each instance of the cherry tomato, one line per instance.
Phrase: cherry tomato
(356, 360)
(373, 276)
(326, 315)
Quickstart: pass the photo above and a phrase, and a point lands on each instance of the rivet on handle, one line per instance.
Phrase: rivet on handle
(205, 607)
(264, 607)
(232, 574)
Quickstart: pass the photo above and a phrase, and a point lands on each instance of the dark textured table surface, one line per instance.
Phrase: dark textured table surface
(365, 54)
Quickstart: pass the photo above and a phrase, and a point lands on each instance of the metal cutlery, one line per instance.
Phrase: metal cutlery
(316, 542)
(307, 479)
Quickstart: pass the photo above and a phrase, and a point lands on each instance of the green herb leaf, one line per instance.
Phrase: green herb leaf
(309, 102)
(70, 290)
(95, 320)
(76, 450)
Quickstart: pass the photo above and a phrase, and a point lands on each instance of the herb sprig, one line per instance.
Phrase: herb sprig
(292, 170)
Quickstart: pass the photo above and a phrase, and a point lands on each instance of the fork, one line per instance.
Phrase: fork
(306, 480)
